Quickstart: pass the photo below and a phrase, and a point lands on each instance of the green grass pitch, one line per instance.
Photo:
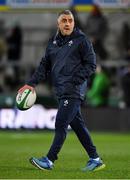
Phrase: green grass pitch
(17, 147)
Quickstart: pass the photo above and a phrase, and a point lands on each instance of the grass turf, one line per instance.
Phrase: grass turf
(17, 147)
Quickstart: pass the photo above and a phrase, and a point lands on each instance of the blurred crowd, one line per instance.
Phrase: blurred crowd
(96, 27)
(11, 42)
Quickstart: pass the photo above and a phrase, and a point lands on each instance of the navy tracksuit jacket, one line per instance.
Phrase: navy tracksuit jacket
(70, 60)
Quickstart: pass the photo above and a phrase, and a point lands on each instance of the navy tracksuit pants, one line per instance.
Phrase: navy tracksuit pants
(69, 113)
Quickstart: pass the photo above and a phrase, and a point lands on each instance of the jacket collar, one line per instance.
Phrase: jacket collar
(60, 40)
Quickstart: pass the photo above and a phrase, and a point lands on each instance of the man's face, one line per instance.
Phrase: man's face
(66, 24)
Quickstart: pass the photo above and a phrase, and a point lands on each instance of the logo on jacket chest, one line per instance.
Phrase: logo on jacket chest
(66, 102)
(70, 43)
(54, 42)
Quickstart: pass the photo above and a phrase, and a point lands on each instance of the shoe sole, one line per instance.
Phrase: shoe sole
(37, 165)
(100, 167)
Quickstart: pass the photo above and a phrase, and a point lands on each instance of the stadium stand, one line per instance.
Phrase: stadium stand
(36, 31)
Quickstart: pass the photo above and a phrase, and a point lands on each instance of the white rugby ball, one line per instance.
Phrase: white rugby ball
(26, 99)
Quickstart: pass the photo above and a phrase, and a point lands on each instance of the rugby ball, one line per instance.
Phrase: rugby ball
(26, 99)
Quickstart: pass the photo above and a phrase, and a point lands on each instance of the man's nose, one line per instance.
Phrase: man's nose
(67, 23)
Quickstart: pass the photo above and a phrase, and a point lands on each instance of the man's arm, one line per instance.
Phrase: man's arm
(40, 73)
(88, 59)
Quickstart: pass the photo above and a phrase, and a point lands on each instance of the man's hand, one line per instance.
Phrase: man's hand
(25, 87)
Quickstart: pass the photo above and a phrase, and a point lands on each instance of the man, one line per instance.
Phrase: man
(98, 95)
(71, 60)
(97, 29)
(125, 83)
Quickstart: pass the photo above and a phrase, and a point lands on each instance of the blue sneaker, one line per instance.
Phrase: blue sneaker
(93, 165)
(42, 163)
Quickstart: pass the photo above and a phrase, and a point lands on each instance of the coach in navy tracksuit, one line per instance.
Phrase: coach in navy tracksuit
(70, 59)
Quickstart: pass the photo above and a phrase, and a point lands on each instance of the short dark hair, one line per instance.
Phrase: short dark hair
(67, 12)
